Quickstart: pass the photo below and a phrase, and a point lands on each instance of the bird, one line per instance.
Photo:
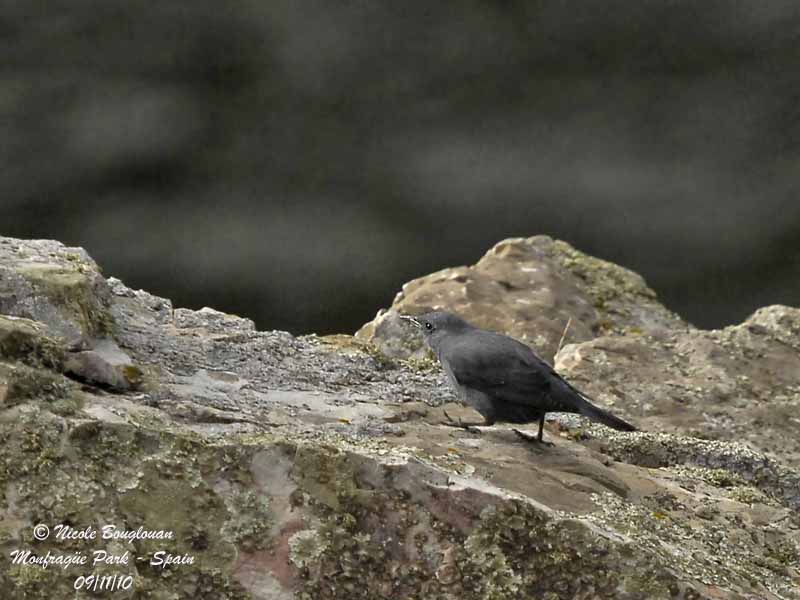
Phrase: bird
(501, 378)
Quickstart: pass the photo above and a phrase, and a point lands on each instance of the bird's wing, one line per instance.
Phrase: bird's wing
(507, 370)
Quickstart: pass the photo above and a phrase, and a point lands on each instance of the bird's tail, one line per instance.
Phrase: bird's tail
(595, 413)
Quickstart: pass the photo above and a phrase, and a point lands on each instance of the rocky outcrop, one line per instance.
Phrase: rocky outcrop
(317, 467)
(58, 286)
(531, 289)
(741, 383)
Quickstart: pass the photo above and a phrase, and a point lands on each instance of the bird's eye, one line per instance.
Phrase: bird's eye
(428, 325)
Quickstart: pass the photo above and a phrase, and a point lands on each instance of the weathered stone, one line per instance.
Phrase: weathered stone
(105, 364)
(27, 341)
(61, 287)
(529, 288)
(317, 468)
(20, 383)
(741, 383)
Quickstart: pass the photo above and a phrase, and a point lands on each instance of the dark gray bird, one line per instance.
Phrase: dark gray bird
(502, 378)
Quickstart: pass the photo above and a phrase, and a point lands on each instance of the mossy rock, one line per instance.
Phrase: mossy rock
(21, 383)
(26, 341)
(63, 289)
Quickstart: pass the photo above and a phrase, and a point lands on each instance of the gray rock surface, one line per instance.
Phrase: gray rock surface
(318, 467)
(741, 383)
(105, 364)
(60, 286)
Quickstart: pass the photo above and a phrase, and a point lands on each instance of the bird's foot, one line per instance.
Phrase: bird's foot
(471, 427)
(530, 437)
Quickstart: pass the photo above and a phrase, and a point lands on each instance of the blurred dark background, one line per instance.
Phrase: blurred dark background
(296, 161)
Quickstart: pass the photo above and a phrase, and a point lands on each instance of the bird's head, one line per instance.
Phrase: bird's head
(436, 325)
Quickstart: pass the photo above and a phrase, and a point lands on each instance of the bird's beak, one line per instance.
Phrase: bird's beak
(411, 320)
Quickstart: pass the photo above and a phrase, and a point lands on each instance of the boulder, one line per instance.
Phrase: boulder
(530, 288)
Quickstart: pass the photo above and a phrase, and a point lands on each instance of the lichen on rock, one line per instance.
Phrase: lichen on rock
(61, 287)
(307, 467)
(529, 288)
(27, 341)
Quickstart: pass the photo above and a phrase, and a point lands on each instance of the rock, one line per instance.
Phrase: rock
(105, 364)
(781, 322)
(30, 363)
(529, 288)
(59, 286)
(20, 383)
(289, 467)
(53, 298)
(741, 383)
(26, 341)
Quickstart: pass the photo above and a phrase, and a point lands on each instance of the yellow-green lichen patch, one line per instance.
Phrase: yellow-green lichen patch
(249, 520)
(32, 581)
(427, 363)
(194, 515)
(605, 280)
(727, 463)
(326, 473)
(749, 495)
(306, 547)
(29, 446)
(349, 344)
(74, 291)
(95, 473)
(26, 341)
(721, 478)
(621, 296)
(361, 529)
(20, 383)
(514, 550)
(785, 552)
(51, 485)
(518, 551)
(333, 560)
(199, 491)
(708, 551)
(133, 375)
(343, 342)
(68, 406)
(486, 569)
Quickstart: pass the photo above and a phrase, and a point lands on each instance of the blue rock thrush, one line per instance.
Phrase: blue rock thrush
(502, 378)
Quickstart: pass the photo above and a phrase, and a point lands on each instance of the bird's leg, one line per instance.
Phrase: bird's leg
(538, 438)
